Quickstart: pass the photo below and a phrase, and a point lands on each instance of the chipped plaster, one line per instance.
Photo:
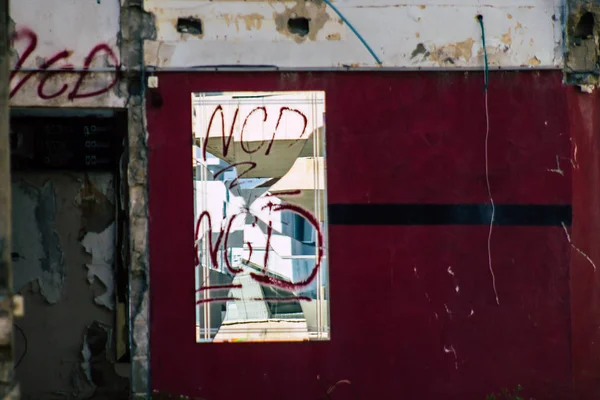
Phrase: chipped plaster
(37, 254)
(515, 34)
(101, 246)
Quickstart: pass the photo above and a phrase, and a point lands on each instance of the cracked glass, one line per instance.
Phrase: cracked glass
(260, 210)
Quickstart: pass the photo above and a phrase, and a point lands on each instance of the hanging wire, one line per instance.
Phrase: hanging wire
(487, 164)
(358, 35)
(485, 56)
(25, 350)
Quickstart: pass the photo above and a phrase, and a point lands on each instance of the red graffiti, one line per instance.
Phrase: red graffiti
(219, 287)
(271, 299)
(295, 192)
(281, 110)
(76, 92)
(247, 150)
(268, 280)
(264, 278)
(220, 245)
(251, 165)
(227, 138)
(213, 249)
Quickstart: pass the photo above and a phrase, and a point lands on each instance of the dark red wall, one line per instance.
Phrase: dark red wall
(584, 118)
(397, 138)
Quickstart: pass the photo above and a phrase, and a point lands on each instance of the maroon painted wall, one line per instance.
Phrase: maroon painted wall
(395, 138)
(584, 119)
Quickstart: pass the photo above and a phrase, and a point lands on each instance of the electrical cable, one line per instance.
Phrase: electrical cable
(24, 351)
(487, 166)
(358, 35)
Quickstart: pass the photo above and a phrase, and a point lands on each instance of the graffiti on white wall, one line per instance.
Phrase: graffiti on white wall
(64, 53)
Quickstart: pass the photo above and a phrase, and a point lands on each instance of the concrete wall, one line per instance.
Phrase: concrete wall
(402, 34)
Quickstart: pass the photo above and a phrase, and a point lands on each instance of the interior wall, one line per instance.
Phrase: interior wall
(63, 256)
(421, 307)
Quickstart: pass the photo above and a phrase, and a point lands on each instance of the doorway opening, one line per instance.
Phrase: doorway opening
(69, 250)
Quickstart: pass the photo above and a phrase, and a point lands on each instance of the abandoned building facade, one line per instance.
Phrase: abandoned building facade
(349, 199)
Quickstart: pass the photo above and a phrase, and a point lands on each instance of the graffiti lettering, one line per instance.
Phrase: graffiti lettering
(272, 299)
(281, 111)
(251, 165)
(227, 138)
(76, 92)
(218, 243)
(263, 277)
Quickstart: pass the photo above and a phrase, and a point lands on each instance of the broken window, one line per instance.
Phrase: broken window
(260, 216)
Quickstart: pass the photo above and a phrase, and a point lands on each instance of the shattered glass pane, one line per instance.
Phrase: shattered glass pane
(261, 216)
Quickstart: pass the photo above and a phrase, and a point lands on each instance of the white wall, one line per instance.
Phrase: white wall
(77, 26)
(403, 34)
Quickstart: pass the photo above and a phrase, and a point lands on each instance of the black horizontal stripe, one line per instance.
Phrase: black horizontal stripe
(449, 214)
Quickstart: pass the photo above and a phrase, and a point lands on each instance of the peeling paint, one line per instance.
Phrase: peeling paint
(316, 13)
(534, 61)
(251, 21)
(96, 201)
(582, 35)
(420, 49)
(406, 25)
(506, 39)
(96, 362)
(450, 53)
(102, 248)
(36, 245)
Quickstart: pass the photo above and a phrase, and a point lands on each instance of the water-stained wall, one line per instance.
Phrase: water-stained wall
(64, 260)
(315, 34)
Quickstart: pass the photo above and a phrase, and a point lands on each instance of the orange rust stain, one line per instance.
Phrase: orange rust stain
(334, 36)
(417, 35)
(452, 52)
(506, 39)
(534, 61)
(508, 16)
